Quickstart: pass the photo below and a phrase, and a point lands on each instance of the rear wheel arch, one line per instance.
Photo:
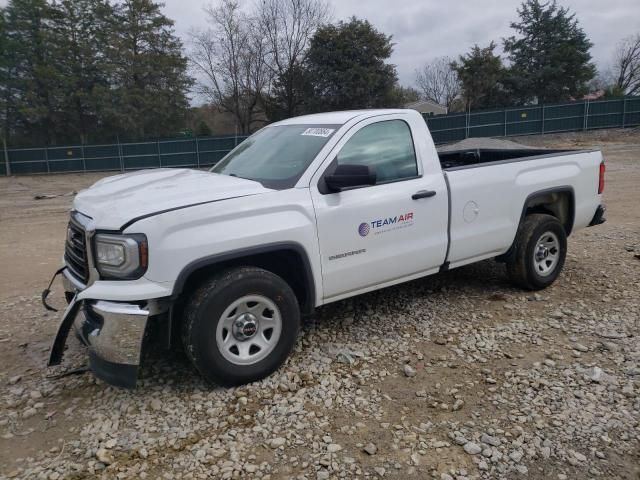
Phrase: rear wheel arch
(558, 202)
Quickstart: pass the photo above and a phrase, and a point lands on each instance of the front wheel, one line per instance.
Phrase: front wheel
(240, 325)
(540, 251)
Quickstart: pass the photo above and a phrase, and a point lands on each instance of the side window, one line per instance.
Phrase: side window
(387, 146)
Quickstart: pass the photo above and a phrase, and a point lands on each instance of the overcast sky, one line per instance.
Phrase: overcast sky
(424, 29)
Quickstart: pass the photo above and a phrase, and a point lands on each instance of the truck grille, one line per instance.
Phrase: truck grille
(75, 252)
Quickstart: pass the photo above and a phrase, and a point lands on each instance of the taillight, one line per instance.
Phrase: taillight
(601, 179)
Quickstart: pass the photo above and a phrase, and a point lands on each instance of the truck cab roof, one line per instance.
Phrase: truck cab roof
(339, 118)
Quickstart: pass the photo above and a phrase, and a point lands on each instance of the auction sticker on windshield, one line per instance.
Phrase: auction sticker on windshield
(318, 132)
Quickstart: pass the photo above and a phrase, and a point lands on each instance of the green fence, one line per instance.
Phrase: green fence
(535, 120)
(206, 151)
(197, 152)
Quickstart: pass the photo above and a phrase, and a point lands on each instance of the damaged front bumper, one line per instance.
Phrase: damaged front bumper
(114, 333)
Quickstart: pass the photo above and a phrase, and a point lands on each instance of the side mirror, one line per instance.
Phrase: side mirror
(346, 176)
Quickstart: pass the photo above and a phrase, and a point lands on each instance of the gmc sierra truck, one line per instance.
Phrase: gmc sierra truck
(305, 212)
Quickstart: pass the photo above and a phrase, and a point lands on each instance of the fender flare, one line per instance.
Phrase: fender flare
(565, 189)
(307, 272)
(561, 189)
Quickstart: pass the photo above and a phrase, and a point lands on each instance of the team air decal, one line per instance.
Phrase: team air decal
(377, 227)
(383, 225)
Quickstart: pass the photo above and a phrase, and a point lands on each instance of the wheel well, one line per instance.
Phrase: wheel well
(288, 263)
(558, 203)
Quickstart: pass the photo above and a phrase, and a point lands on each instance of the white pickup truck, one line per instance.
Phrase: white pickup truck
(304, 212)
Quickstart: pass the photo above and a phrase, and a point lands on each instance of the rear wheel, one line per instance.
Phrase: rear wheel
(240, 325)
(539, 252)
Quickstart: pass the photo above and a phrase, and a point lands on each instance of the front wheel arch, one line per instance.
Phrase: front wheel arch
(288, 260)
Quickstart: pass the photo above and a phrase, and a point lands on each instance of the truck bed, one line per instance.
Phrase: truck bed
(466, 158)
(488, 188)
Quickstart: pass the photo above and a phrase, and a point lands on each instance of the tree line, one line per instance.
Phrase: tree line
(97, 70)
(89, 70)
(548, 60)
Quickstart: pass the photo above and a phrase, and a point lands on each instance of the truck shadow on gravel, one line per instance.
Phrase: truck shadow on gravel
(481, 280)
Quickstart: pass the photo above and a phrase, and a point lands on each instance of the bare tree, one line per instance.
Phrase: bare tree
(229, 57)
(438, 82)
(627, 65)
(287, 26)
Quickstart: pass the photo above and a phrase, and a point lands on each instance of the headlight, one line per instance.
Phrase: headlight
(121, 256)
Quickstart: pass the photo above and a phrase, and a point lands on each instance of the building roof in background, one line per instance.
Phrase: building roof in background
(594, 95)
(426, 106)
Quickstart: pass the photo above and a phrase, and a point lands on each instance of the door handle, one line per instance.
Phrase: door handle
(423, 194)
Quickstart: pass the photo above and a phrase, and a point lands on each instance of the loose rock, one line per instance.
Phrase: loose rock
(408, 370)
(472, 448)
(370, 448)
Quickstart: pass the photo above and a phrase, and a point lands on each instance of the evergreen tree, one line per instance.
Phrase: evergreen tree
(81, 29)
(347, 65)
(82, 70)
(294, 84)
(32, 83)
(5, 76)
(203, 130)
(482, 78)
(149, 72)
(550, 57)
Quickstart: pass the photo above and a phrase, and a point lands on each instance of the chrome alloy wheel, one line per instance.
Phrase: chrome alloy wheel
(546, 254)
(249, 330)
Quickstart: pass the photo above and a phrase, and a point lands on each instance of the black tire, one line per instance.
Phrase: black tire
(522, 268)
(203, 312)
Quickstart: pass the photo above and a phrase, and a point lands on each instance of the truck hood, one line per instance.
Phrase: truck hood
(115, 201)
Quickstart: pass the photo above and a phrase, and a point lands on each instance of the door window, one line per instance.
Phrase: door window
(387, 146)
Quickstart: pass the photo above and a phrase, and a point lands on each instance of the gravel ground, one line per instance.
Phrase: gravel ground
(454, 376)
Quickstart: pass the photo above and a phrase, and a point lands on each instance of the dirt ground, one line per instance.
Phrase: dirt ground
(491, 362)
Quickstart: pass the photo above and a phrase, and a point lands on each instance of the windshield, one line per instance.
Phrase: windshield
(276, 156)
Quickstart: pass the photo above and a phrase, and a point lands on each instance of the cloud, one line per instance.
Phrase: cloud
(425, 29)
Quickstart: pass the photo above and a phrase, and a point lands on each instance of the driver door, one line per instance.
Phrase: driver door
(377, 235)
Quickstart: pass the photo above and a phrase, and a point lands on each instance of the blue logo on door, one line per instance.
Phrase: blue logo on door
(363, 229)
